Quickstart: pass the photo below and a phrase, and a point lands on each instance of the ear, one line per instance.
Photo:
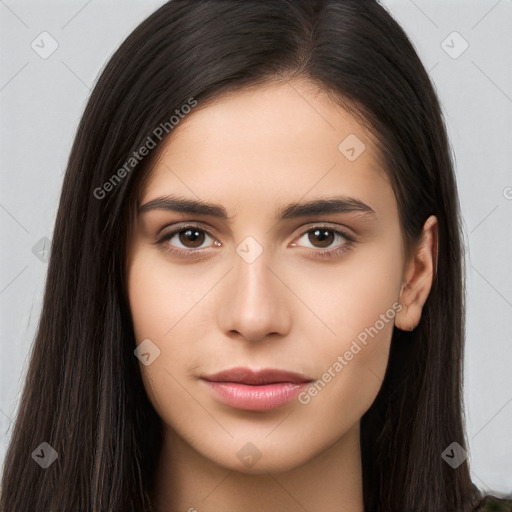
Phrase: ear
(418, 277)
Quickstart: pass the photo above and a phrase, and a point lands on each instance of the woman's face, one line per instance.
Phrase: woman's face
(268, 279)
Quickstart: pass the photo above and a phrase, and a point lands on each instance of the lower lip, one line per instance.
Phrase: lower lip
(255, 398)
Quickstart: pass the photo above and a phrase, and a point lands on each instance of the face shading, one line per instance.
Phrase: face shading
(268, 238)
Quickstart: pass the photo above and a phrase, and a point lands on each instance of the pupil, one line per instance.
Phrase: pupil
(324, 235)
(191, 235)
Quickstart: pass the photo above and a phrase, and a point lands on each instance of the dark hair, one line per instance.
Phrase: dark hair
(84, 393)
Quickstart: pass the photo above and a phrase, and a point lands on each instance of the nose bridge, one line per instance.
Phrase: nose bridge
(253, 277)
(254, 304)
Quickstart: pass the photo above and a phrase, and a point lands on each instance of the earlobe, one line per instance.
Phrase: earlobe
(418, 277)
(408, 318)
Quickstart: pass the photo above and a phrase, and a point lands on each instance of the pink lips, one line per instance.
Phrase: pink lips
(242, 388)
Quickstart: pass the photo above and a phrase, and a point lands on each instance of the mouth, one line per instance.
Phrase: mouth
(243, 388)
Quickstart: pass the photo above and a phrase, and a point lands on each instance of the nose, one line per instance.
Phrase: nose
(255, 303)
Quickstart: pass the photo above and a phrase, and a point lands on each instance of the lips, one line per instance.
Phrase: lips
(242, 388)
(257, 378)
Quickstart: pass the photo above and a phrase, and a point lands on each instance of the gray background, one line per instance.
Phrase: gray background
(42, 99)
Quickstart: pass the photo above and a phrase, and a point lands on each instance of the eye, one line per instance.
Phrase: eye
(189, 239)
(322, 237)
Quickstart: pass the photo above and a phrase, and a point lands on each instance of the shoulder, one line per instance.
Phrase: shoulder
(491, 503)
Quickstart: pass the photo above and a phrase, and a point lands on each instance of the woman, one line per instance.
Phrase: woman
(255, 294)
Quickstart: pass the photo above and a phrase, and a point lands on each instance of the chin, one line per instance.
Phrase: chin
(262, 457)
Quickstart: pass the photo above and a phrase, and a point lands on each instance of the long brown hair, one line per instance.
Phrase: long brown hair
(84, 395)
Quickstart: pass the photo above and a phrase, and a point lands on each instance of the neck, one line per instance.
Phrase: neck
(187, 481)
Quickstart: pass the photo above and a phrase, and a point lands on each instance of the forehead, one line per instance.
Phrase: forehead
(281, 140)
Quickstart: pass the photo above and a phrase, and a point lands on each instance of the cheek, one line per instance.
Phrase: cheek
(148, 303)
(164, 307)
(160, 297)
(358, 302)
(360, 293)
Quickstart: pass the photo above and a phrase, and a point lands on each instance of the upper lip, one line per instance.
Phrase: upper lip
(259, 377)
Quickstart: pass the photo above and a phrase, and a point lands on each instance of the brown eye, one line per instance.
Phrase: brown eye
(187, 239)
(325, 241)
(191, 238)
(324, 236)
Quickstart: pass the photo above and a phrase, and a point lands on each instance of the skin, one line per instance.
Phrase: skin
(255, 151)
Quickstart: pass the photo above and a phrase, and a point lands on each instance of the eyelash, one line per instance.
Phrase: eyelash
(321, 253)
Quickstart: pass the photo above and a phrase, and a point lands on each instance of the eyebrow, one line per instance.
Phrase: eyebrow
(290, 211)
